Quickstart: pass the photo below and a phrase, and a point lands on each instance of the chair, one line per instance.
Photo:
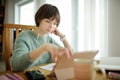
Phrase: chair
(10, 33)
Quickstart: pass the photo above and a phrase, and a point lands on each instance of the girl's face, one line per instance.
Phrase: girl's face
(47, 26)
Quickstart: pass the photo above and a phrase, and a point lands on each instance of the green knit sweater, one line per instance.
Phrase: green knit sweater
(26, 42)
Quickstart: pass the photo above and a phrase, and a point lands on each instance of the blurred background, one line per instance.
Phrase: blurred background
(87, 24)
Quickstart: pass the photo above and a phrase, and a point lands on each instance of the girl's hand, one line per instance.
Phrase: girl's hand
(57, 32)
(63, 52)
(57, 52)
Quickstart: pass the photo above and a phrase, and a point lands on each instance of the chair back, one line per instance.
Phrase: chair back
(11, 31)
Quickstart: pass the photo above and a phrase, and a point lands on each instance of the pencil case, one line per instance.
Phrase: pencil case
(35, 75)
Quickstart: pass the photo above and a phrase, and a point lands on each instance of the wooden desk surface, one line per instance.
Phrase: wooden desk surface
(98, 76)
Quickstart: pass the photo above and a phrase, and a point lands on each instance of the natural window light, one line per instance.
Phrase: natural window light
(27, 14)
(92, 26)
(65, 12)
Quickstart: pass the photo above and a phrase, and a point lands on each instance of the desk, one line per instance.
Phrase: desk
(98, 76)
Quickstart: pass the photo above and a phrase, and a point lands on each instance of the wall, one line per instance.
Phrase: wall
(114, 28)
(9, 11)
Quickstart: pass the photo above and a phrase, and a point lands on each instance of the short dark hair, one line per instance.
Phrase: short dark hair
(47, 11)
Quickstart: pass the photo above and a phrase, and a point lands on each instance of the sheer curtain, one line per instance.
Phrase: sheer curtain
(92, 26)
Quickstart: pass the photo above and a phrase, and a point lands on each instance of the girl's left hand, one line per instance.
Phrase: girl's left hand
(58, 33)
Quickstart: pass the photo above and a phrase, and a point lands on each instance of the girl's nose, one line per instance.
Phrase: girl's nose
(52, 25)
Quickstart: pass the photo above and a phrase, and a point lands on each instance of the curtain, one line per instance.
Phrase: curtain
(92, 26)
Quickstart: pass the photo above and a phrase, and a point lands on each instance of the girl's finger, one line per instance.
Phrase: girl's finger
(68, 54)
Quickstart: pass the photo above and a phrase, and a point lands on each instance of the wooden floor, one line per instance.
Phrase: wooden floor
(2, 64)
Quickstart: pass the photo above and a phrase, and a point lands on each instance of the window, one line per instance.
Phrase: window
(25, 12)
(92, 26)
(65, 13)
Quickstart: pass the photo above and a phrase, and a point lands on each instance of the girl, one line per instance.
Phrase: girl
(37, 47)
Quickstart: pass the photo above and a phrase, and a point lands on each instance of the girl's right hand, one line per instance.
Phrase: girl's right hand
(57, 52)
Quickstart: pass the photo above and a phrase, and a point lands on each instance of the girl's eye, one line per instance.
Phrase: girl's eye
(55, 23)
(48, 21)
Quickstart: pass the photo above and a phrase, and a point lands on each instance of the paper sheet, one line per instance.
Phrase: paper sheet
(48, 67)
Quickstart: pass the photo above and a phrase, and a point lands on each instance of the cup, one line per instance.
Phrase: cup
(83, 69)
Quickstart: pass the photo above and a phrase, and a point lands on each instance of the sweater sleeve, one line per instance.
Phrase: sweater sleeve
(20, 59)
